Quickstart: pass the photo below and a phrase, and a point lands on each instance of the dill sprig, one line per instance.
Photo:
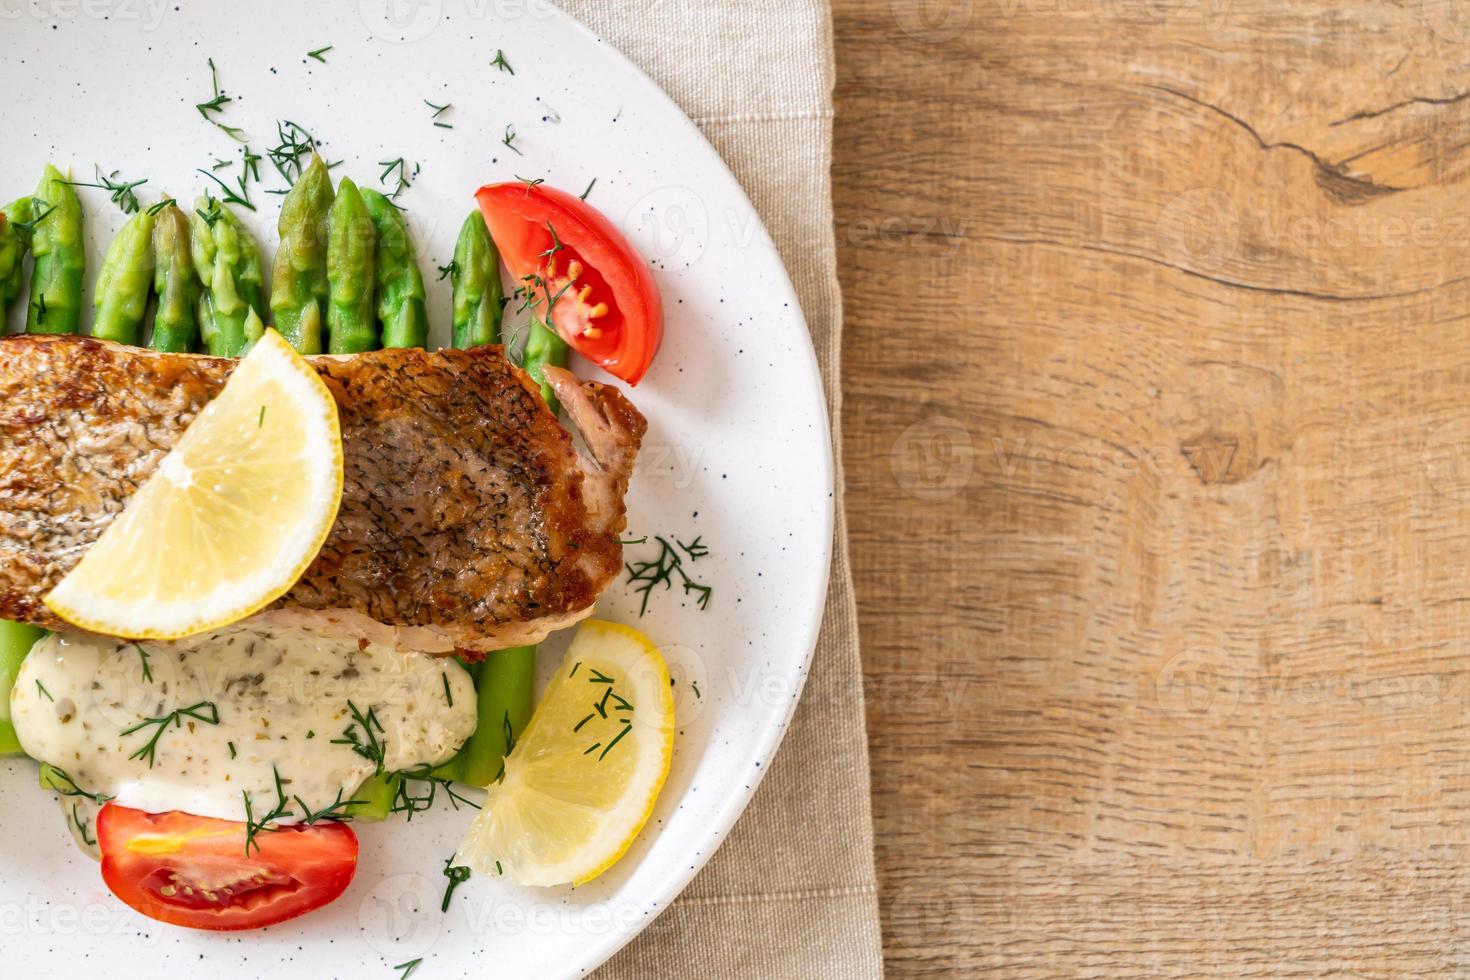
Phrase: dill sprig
(205, 711)
(143, 656)
(27, 227)
(294, 145)
(600, 709)
(59, 781)
(363, 735)
(646, 575)
(584, 194)
(439, 110)
(230, 196)
(408, 968)
(210, 213)
(82, 826)
(166, 202)
(250, 164)
(399, 168)
(416, 790)
(457, 875)
(445, 271)
(336, 811)
(509, 139)
(216, 105)
(501, 63)
(317, 54)
(121, 192)
(254, 827)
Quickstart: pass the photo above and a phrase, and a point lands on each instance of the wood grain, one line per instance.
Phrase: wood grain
(1157, 380)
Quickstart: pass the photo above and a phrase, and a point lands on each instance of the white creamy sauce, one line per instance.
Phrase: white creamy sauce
(280, 696)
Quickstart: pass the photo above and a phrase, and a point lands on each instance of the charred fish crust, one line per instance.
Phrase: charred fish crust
(468, 519)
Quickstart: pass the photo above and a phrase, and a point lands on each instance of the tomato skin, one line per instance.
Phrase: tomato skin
(628, 335)
(192, 871)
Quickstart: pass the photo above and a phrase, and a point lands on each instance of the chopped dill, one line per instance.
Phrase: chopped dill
(457, 875)
(205, 711)
(646, 575)
(121, 192)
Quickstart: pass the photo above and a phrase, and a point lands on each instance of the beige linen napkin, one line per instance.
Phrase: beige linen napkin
(791, 893)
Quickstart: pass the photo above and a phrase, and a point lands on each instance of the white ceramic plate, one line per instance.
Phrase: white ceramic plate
(737, 449)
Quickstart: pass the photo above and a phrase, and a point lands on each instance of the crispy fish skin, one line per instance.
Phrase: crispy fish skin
(468, 520)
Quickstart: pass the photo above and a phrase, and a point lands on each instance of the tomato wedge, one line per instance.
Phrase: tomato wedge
(193, 871)
(607, 307)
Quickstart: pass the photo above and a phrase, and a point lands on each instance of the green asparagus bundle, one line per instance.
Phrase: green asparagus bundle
(228, 264)
(123, 282)
(476, 283)
(400, 288)
(176, 320)
(60, 258)
(300, 288)
(352, 325)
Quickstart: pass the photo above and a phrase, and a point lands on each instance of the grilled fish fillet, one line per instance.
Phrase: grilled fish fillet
(468, 521)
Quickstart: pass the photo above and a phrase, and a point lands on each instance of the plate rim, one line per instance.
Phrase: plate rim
(676, 880)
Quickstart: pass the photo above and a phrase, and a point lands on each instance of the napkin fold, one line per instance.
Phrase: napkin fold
(792, 891)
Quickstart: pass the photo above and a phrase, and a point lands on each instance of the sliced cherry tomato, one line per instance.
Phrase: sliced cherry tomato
(193, 871)
(606, 304)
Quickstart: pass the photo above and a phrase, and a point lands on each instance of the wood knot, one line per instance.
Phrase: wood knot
(1228, 419)
(1212, 457)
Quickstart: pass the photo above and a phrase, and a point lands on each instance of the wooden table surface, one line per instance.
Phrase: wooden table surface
(1157, 378)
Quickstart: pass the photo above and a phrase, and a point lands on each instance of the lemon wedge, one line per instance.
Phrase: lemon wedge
(230, 519)
(582, 780)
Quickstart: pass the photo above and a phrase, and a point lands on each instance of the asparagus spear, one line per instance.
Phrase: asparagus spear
(505, 680)
(300, 288)
(504, 684)
(476, 281)
(123, 282)
(400, 286)
(15, 642)
(176, 320)
(375, 797)
(544, 346)
(14, 243)
(61, 258)
(228, 265)
(254, 328)
(12, 252)
(351, 244)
